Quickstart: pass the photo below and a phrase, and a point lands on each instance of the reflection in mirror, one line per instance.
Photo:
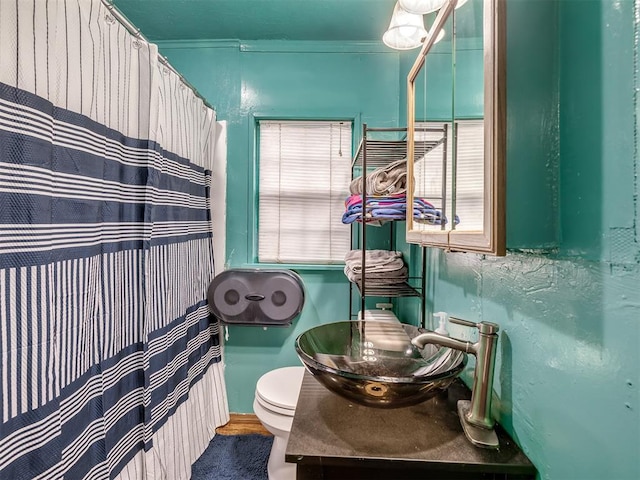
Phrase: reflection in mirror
(455, 151)
(433, 134)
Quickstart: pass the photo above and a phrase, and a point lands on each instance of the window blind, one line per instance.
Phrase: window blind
(305, 171)
(469, 175)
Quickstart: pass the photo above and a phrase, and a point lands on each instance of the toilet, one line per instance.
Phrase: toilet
(274, 405)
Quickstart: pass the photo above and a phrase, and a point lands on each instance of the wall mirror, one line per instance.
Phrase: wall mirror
(456, 130)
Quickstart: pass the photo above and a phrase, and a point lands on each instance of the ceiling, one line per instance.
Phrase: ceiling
(319, 20)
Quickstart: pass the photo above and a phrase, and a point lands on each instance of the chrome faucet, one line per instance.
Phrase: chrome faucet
(475, 415)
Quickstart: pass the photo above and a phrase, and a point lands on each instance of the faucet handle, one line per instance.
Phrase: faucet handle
(461, 321)
(487, 328)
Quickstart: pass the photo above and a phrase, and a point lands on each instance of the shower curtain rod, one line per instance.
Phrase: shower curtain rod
(135, 31)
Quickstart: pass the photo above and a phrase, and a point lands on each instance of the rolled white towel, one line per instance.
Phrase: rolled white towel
(386, 180)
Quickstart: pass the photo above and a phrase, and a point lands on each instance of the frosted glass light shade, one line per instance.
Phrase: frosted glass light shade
(406, 30)
(421, 7)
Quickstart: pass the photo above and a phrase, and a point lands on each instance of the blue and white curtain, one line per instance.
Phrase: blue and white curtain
(110, 364)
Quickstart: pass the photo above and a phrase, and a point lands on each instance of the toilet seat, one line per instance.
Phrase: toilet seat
(286, 412)
(278, 389)
(275, 404)
(278, 425)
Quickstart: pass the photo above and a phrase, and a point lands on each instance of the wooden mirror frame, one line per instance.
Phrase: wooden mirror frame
(492, 239)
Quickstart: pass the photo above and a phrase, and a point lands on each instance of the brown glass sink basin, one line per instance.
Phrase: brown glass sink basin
(373, 363)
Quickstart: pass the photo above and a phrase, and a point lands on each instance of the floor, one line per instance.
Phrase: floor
(242, 424)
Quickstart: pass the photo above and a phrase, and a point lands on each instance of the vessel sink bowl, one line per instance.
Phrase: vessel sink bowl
(374, 363)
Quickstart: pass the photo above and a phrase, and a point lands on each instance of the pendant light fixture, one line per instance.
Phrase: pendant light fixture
(422, 7)
(406, 30)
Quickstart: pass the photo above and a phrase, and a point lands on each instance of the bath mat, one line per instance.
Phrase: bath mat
(234, 457)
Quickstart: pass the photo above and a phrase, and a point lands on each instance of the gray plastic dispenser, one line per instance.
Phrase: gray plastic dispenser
(252, 296)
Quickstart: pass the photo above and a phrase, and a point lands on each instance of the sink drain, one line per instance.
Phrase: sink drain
(376, 389)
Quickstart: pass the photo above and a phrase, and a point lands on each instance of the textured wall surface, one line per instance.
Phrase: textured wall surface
(567, 381)
(567, 295)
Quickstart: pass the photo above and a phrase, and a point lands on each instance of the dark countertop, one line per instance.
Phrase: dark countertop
(329, 432)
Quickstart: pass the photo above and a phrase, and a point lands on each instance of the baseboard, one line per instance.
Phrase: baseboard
(242, 424)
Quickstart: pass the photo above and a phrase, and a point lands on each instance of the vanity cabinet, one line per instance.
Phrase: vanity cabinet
(332, 438)
(459, 83)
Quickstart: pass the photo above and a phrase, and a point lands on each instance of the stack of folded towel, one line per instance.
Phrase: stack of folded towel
(392, 207)
(382, 267)
(388, 180)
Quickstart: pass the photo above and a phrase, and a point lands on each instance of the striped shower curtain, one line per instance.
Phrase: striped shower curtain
(110, 364)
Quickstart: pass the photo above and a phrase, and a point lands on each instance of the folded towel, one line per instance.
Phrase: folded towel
(372, 256)
(381, 278)
(380, 260)
(387, 269)
(374, 201)
(388, 201)
(390, 207)
(380, 272)
(390, 179)
(348, 218)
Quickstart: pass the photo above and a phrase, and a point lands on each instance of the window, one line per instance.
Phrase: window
(305, 170)
(469, 181)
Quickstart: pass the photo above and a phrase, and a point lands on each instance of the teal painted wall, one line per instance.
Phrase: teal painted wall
(566, 295)
(248, 80)
(532, 124)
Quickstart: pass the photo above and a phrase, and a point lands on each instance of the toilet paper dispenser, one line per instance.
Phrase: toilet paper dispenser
(252, 296)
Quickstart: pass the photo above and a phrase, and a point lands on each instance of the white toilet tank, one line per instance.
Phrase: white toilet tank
(384, 330)
(381, 315)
